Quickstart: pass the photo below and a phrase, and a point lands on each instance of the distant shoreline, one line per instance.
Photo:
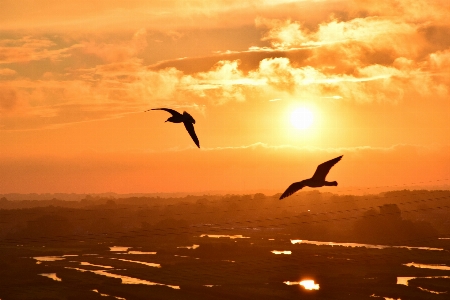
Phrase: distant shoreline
(356, 191)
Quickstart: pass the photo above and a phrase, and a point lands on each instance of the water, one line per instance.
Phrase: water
(211, 285)
(281, 252)
(51, 276)
(41, 259)
(236, 236)
(140, 262)
(125, 279)
(124, 250)
(190, 247)
(138, 252)
(318, 243)
(404, 281)
(119, 249)
(385, 298)
(84, 263)
(430, 291)
(428, 266)
(106, 295)
(307, 284)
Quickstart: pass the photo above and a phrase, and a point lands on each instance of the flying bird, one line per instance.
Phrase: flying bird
(318, 179)
(184, 118)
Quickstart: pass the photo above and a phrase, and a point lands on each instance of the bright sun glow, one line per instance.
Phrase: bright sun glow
(302, 118)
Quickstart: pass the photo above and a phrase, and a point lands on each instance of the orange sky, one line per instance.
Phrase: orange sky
(75, 78)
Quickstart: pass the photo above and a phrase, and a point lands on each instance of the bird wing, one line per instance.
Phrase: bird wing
(323, 169)
(190, 129)
(188, 117)
(292, 189)
(173, 112)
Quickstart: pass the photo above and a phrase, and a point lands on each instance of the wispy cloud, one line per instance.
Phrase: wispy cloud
(6, 72)
(28, 49)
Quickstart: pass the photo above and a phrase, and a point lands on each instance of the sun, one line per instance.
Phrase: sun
(302, 118)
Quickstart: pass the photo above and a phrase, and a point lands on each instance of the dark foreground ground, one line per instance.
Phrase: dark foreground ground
(168, 256)
(219, 268)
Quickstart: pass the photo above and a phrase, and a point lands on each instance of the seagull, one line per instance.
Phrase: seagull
(318, 179)
(184, 118)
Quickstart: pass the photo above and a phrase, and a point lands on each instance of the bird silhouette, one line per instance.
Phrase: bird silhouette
(184, 118)
(318, 179)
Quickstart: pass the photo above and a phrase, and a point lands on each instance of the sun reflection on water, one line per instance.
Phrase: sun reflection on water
(352, 245)
(235, 236)
(119, 249)
(307, 284)
(51, 276)
(137, 252)
(140, 262)
(281, 252)
(190, 247)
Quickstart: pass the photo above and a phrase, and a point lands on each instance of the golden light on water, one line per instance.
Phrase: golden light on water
(281, 252)
(307, 284)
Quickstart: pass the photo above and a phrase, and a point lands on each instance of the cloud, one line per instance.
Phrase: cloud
(284, 34)
(6, 72)
(115, 52)
(409, 10)
(368, 54)
(288, 34)
(28, 49)
(116, 88)
(8, 98)
(440, 60)
(121, 15)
